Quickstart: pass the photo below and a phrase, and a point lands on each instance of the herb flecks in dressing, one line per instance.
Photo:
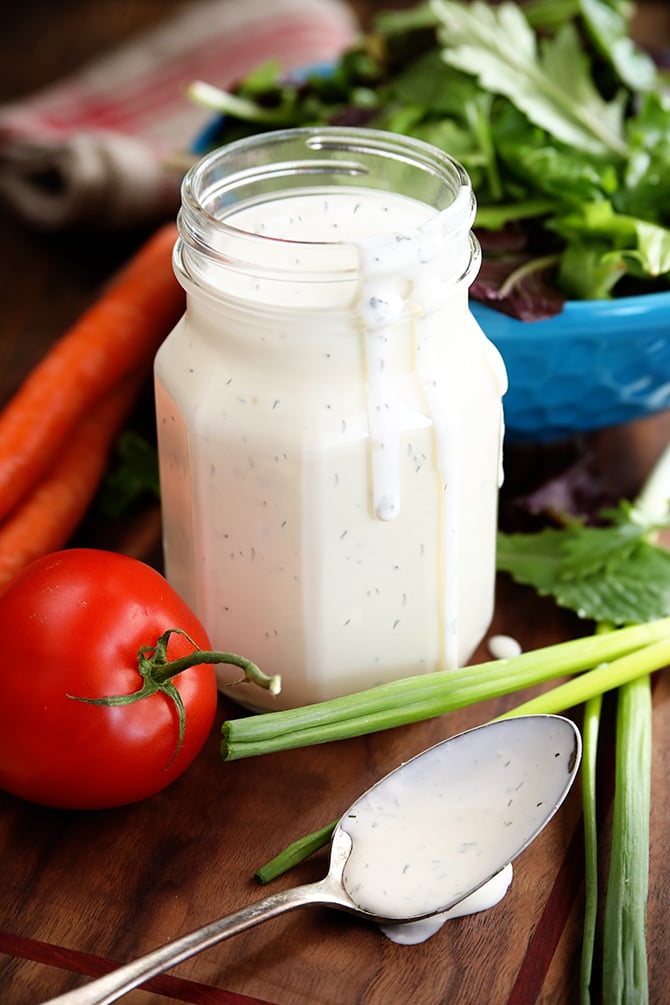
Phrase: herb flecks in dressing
(411, 933)
(318, 433)
(431, 834)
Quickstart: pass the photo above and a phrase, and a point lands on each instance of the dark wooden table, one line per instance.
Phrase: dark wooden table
(80, 892)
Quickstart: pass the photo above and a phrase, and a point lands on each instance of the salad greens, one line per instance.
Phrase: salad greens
(550, 83)
(132, 475)
(560, 119)
(612, 573)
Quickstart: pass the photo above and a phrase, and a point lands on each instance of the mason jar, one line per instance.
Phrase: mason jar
(330, 413)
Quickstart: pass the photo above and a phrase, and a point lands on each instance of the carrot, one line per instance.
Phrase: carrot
(118, 335)
(52, 510)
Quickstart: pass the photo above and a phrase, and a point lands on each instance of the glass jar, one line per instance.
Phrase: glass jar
(329, 412)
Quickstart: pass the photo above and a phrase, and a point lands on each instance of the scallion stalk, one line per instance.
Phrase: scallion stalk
(629, 652)
(625, 980)
(590, 733)
(303, 847)
(625, 920)
(544, 704)
(294, 853)
(606, 677)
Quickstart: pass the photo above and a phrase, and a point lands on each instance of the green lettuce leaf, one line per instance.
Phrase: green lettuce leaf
(642, 244)
(608, 25)
(550, 82)
(611, 574)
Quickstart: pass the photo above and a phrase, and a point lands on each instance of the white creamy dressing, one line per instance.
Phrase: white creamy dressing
(357, 217)
(433, 832)
(411, 933)
(503, 647)
(359, 545)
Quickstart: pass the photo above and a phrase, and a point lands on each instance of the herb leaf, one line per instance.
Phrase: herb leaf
(637, 240)
(132, 475)
(550, 82)
(607, 24)
(611, 574)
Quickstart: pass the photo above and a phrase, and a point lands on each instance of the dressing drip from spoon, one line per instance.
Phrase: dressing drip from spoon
(417, 843)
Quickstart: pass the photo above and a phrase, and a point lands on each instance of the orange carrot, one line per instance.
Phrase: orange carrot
(118, 335)
(46, 518)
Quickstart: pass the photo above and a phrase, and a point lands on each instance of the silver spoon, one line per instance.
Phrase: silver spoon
(418, 842)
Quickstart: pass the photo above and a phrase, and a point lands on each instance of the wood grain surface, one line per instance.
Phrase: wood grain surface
(80, 892)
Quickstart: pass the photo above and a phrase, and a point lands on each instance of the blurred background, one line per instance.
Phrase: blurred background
(46, 278)
(42, 40)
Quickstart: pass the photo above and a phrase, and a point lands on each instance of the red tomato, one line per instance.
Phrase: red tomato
(72, 624)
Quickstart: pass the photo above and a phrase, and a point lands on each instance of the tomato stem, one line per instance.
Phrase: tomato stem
(157, 672)
(252, 672)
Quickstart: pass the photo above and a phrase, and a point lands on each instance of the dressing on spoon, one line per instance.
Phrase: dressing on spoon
(417, 843)
(433, 830)
(411, 933)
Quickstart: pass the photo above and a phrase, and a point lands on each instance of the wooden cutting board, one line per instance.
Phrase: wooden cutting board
(81, 892)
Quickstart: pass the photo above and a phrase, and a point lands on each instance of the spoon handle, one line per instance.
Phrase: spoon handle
(117, 983)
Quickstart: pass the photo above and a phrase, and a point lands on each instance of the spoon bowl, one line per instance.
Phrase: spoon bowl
(415, 844)
(437, 828)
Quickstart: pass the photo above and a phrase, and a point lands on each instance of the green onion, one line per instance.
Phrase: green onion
(605, 677)
(590, 731)
(544, 704)
(629, 652)
(294, 853)
(625, 922)
(303, 847)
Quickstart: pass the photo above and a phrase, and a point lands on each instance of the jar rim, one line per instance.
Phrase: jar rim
(276, 163)
(343, 145)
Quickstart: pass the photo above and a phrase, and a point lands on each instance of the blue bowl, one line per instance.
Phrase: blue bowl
(598, 363)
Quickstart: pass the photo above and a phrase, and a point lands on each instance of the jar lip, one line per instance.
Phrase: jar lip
(320, 155)
(281, 164)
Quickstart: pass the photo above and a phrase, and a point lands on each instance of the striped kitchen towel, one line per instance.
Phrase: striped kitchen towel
(108, 133)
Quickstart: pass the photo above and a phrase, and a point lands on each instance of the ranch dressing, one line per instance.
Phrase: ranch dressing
(411, 933)
(431, 833)
(329, 413)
